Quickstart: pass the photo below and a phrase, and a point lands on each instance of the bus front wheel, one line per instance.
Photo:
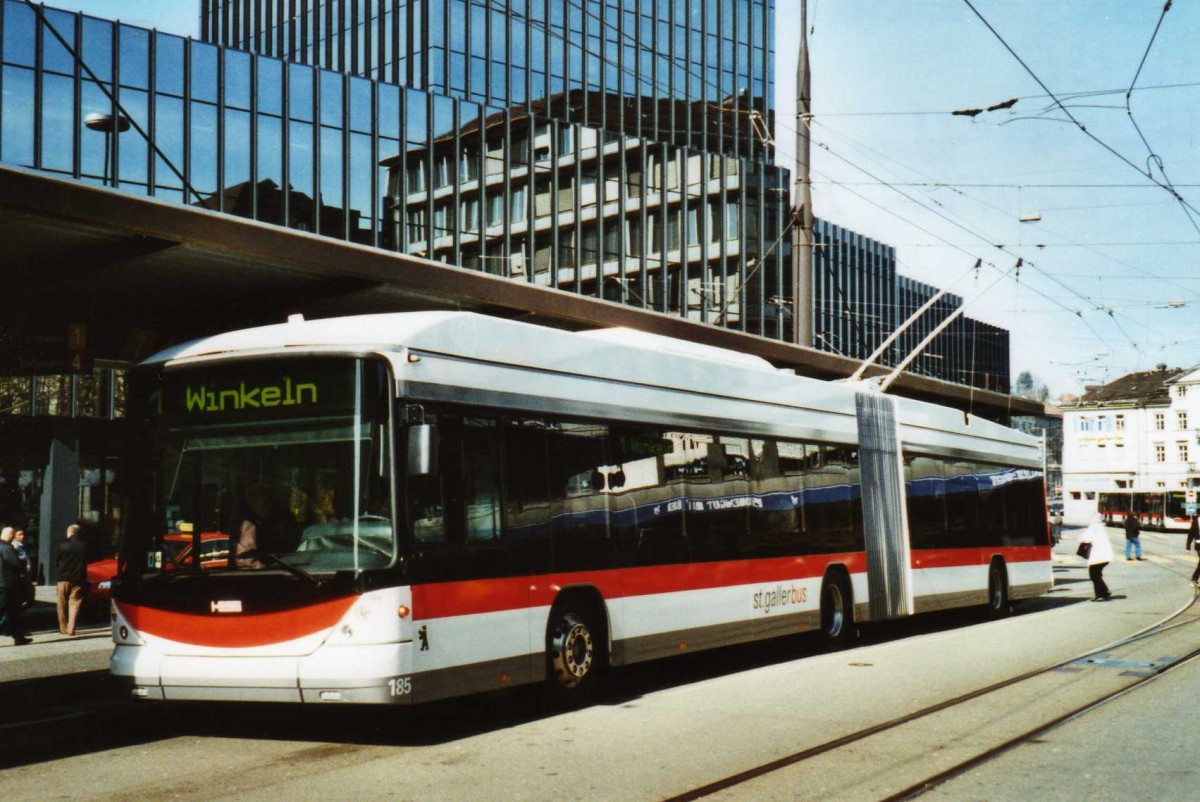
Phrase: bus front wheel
(573, 653)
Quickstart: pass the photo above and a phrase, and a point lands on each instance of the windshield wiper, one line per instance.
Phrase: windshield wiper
(267, 556)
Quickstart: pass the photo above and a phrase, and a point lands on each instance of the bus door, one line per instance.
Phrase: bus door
(471, 615)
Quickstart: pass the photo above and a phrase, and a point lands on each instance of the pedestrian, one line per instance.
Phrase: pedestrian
(1193, 542)
(1099, 554)
(22, 551)
(1133, 531)
(12, 574)
(72, 574)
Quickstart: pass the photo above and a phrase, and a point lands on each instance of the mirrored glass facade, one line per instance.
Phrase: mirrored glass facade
(694, 73)
(510, 137)
(667, 224)
(859, 299)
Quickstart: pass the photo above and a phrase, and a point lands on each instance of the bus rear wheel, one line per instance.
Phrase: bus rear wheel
(573, 654)
(837, 611)
(998, 604)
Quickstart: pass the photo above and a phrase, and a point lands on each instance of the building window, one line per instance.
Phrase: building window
(1119, 423)
(416, 225)
(1182, 416)
(1160, 421)
(518, 204)
(495, 209)
(1182, 448)
(1182, 391)
(1074, 495)
(1160, 452)
(1101, 423)
(470, 214)
(1122, 483)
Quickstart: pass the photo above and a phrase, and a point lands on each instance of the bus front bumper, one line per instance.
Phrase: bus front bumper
(372, 674)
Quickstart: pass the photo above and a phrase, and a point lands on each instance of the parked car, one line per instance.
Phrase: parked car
(177, 551)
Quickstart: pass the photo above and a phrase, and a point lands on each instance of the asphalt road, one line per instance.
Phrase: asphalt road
(662, 729)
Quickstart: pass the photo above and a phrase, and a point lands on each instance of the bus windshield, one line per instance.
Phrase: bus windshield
(262, 465)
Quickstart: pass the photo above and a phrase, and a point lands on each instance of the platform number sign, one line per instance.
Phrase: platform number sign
(78, 360)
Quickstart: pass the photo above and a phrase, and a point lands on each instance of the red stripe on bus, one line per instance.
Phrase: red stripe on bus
(951, 558)
(447, 599)
(233, 630)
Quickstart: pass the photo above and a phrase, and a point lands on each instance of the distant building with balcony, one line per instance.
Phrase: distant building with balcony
(1139, 433)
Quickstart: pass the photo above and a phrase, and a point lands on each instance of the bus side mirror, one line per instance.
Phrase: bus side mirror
(422, 449)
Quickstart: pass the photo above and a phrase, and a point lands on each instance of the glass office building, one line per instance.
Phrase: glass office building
(693, 73)
(617, 151)
(859, 299)
(601, 193)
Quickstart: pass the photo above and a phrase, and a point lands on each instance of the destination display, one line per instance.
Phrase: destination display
(252, 391)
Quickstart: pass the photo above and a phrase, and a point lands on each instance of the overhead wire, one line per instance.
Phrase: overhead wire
(1066, 95)
(1083, 128)
(1087, 246)
(1154, 157)
(686, 66)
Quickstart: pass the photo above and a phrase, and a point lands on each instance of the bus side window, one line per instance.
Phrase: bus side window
(481, 479)
(425, 500)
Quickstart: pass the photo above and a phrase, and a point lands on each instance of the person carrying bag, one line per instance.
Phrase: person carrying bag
(1095, 548)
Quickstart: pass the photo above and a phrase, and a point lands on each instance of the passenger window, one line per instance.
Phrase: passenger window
(481, 479)
(777, 512)
(579, 486)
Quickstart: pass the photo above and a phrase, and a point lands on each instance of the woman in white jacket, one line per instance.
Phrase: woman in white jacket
(1100, 556)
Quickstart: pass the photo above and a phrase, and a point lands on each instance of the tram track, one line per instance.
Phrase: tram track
(911, 754)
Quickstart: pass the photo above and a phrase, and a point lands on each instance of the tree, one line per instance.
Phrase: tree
(1029, 387)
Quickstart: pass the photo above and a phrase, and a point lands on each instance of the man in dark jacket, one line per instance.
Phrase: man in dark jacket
(12, 574)
(1133, 540)
(72, 574)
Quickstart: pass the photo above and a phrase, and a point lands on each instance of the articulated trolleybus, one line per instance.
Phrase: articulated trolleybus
(399, 508)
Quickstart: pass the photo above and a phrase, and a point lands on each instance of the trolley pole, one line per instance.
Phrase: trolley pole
(802, 216)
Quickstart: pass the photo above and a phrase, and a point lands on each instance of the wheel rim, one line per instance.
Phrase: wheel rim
(572, 651)
(835, 611)
(995, 582)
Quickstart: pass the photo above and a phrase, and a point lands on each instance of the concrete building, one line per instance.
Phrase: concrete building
(1137, 434)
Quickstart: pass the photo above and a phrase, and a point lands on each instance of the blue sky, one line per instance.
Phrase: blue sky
(1111, 280)
(1110, 264)
(174, 16)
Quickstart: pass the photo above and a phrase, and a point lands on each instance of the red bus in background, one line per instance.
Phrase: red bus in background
(1164, 509)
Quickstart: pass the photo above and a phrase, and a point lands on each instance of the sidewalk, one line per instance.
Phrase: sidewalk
(52, 653)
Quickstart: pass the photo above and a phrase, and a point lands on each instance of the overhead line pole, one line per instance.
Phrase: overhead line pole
(802, 231)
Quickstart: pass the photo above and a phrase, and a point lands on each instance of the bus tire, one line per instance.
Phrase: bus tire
(997, 599)
(837, 611)
(573, 653)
